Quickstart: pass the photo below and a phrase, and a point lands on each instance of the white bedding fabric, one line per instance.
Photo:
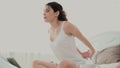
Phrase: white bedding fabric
(5, 64)
(105, 40)
(113, 65)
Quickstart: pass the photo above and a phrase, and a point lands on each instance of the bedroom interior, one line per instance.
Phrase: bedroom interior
(21, 39)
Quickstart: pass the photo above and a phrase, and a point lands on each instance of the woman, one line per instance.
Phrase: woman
(62, 35)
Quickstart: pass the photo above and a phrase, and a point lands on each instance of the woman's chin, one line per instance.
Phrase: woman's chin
(46, 21)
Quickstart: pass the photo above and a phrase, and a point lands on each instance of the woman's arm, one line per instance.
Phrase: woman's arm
(73, 30)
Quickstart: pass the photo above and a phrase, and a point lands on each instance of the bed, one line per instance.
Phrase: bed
(103, 43)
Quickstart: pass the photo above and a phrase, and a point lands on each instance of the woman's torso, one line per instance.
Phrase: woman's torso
(64, 47)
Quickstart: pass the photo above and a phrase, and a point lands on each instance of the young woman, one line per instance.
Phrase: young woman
(62, 34)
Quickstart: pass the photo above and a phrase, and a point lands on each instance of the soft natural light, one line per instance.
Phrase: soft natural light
(22, 27)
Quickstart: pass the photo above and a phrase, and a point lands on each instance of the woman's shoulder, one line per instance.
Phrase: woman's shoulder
(68, 25)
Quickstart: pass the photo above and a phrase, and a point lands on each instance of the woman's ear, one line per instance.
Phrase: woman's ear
(57, 13)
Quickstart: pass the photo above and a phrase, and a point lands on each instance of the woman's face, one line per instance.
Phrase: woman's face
(49, 14)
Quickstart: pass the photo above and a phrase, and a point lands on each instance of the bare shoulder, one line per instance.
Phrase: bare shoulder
(68, 27)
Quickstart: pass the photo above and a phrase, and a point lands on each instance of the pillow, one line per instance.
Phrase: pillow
(105, 40)
(108, 55)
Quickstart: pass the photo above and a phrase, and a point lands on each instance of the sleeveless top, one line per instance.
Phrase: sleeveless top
(64, 47)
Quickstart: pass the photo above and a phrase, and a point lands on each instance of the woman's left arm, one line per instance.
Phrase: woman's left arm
(75, 32)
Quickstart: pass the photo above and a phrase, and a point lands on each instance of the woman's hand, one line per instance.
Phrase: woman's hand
(88, 54)
(91, 53)
(85, 55)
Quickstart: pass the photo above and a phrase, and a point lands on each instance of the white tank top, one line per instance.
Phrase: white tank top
(64, 48)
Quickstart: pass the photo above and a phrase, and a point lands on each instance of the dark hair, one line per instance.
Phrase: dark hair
(57, 7)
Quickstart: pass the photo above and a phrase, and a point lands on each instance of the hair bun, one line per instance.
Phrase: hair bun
(63, 13)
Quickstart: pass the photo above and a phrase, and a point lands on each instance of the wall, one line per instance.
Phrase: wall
(23, 29)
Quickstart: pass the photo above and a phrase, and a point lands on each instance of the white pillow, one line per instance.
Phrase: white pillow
(105, 40)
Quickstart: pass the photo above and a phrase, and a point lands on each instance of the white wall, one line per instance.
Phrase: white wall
(23, 29)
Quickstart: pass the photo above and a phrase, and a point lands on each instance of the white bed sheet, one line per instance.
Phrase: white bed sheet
(5, 64)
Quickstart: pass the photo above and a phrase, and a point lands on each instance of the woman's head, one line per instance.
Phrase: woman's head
(54, 11)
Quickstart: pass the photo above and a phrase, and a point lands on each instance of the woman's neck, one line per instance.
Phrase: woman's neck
(55, 24)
